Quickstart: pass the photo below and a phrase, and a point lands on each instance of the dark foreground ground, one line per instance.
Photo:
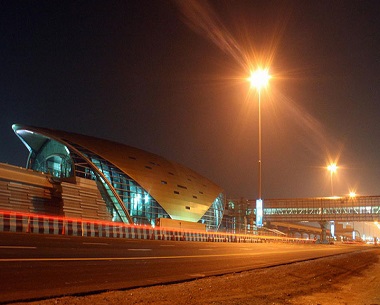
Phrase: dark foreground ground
(344, 279)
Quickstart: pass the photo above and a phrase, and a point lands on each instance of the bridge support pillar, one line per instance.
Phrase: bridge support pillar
(324, 225)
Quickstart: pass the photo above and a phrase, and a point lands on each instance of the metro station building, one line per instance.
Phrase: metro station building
(81, 176)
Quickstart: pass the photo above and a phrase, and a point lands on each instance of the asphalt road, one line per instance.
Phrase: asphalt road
(40, 266)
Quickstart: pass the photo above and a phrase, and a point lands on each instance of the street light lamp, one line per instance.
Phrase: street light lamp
(258, 80)
(332, 168)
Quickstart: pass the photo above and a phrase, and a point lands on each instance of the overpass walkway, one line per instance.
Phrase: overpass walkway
(358, 208)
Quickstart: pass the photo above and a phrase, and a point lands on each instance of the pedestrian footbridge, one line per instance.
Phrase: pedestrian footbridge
(358, 208)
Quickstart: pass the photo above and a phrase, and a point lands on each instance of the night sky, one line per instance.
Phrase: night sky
(171, 78)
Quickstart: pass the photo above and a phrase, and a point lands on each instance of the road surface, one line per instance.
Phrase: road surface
(41, 266)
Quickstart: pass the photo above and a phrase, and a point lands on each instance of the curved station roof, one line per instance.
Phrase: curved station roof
(182, 193)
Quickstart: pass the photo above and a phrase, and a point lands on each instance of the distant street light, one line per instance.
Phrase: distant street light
(332, 168)
(258, 80)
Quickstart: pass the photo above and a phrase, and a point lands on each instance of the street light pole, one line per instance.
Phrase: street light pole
(259, 79)
(260, 169)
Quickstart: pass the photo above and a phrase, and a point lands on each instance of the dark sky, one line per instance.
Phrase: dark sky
(170, 78)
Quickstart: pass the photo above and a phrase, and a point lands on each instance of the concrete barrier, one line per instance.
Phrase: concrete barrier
(11, 221)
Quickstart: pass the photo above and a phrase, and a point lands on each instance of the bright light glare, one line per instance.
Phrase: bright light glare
(259, 78)
(23, 130)
(352, 194)
(332, 167)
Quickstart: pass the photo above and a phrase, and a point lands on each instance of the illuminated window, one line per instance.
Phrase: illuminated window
(53, 158)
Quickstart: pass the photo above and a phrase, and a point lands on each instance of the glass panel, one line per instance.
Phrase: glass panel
(214, 214)
(52, 158)
(140, 205)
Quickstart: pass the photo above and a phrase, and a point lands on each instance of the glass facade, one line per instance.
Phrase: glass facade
(142, 208)
(213, 217)
(125, 199)
(53, 158)
(239, 217)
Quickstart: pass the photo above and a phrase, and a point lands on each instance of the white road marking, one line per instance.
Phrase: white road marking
(17, 247)
(114, 258)
(103, 244)
(139, 249)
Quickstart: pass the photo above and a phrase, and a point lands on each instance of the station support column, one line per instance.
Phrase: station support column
(324, 225)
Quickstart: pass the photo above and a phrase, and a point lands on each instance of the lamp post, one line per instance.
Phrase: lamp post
(332, 168)
(258, 80)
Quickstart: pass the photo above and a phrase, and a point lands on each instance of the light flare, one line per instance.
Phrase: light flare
(202, 19)
(332, 167)
(250, 48)
(259, 78)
